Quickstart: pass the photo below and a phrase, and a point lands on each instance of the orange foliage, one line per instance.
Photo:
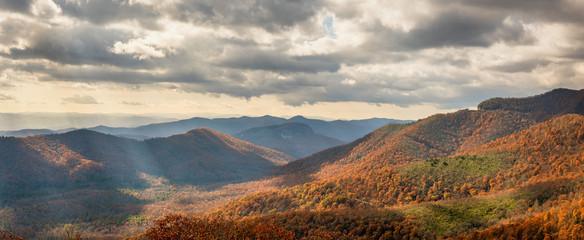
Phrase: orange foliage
(4, 235)
(551, 149)
(564, 222)
(440, 135)
(181, 227)
(346, 224)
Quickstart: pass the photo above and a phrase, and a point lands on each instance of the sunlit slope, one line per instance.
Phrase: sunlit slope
(440, 135)
(437, 136)
(205, 155)
(86, 158)
(526, 172)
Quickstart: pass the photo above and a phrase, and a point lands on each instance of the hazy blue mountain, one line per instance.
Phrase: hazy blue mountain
(343, 130)
(295, 139)
(224, 125)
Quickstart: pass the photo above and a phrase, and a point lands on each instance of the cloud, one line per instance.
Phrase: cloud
(109, 74)
(520, 66)
(85, 44)
(21, 6)
(531, 10)
(449, 29)
(129, 103)
(270, 15)
(249, 58)
(137, 47)
(110, 11)
(297, 51)
(80, 99)
(5, 97)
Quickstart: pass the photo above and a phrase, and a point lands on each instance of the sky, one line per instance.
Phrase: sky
(329, 59)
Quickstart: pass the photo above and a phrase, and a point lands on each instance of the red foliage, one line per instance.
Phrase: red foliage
(4, 235)
(181, 227)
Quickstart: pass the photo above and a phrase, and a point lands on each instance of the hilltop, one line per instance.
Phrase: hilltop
(295, 139)
(541, 107)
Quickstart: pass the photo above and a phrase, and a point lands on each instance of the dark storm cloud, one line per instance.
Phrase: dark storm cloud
(108, 11)
(573, 53)
(531, 10)
(278, 62)
(21, 6)
(77, 46)
(122, 76)
(329, 88)
(449, 29)
(271, 15)
(521, 66)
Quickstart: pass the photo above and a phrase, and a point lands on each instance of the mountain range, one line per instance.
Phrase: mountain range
(316, 135)
(339, 129)
(510, 169)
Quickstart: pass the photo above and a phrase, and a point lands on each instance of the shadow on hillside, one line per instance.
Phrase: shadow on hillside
(47, 216)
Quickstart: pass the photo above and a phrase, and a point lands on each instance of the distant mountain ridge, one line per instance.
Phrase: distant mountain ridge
(296, 139)
(324, 134)
(344, 130)
(339, 129)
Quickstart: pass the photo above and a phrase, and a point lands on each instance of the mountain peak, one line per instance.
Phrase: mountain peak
(84, 131)
(298, 117)
(291, 129)
(203, 129)
(542, 107)
(294, 138)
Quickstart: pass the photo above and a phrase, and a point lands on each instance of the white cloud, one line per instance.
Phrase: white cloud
(138, 48)
(349, 82)
(45, 8)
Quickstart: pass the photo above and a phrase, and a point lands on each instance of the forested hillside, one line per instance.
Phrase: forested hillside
(461, 173)
(437, 136)
(541, 107)
(84, 158)
(525, 157)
